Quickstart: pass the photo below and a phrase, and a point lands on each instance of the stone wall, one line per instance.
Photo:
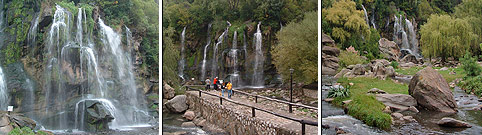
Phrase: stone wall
(232, 121)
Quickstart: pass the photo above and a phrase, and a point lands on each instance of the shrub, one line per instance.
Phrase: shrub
(25, 131)
(339, 92)
(369, 110)
(472, 84)
(348, 58)
(394, 64)
(470, 65)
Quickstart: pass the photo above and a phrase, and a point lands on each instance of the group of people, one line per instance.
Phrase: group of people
(224, 86)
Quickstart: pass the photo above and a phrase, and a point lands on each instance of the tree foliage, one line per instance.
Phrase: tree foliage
(445, 36)
(297, 49)
(170, 56)
(346, 20)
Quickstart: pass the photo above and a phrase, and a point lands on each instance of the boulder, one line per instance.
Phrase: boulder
(97, 116)
(167, 91)
(390, 72)
(397, 102)
(432, 92)
(188, 124)
(177, 104)
(329, 50)
(359, 69)
(451, 122)
(189, 115)
(22, 121)
(409, 118)
(341, 73)
(376, 91)
(328, 71)
(389, 49)
(397, 115)
(413, 109)
(410, 58)
(6, 129)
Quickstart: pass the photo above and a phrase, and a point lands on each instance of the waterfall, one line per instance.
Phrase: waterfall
(401, 37)
(30, 98)
(233, 54)
(122, 61)
(245, 44)
(412, 37)
(182, 61)
(203, 67)
(258, 78)
(372, 20)
(3, 92)
(3, 85)
(79, 71)
(215, 52)
(366, 15)
(32, 33)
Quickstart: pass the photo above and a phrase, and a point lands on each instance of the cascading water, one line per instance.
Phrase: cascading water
(372, 20)
(3, 92)
(29, 99)
(233, 54)
(366, 15)
(258, 75)
(3, 86)
(73, 74)
(214, 70)
(245, 44)
(182, 61)
(32, 33)
(203, 67)
(402, 39)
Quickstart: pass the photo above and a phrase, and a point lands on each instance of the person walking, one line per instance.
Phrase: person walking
(208, 83)
(230, 89)
(223, 88)
(214, 83)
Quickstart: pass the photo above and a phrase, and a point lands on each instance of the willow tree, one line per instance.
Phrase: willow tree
(444, 36)
(298, 49)
(471, 11)
(345, 20)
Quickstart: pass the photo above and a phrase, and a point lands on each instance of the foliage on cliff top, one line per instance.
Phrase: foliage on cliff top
(170, 55)
(297, 49)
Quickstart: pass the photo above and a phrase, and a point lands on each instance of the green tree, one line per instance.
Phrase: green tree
(297, 49)
(170, 56)
(470, 10)
(424, 10)
(346, 20)
(445, 36)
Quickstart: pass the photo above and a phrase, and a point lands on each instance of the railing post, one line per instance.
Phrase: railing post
(290, 108)
(253, 111)
(199, 93)
(221, 100)
(256, 99)
(186, 88)
(302, 128)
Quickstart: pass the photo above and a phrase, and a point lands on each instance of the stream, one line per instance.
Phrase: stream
(426, 121)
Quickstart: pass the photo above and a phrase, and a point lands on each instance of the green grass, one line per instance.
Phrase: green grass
(369, 110)
(364, 84)
(409, 71)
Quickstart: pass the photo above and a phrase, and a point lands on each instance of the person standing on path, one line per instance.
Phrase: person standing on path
(208, 83)
(223, 88)
(214, 83)
(230, 89)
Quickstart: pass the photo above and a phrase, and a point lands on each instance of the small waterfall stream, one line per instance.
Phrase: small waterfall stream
(182, 62)
(203, 67)
(215, 60)
(258, 77)
(234, 77)
(401, 37)
(3, 86)
(366, 15)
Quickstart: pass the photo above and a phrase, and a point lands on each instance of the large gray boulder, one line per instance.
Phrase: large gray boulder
(389, 49)
(5, 126)
(330, 60)
(98, 115)
(451, 122)
(397, 102)
(359, 69)
(432, 91)
(177, 104)
(410, 58)
(167, 91)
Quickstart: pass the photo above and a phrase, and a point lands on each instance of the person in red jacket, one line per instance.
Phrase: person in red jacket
(214, 83)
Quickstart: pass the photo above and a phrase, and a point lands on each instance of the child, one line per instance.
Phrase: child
(230, 89)
(223, 88)
(208, 83)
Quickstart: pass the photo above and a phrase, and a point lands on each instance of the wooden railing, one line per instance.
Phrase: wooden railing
(254, 108)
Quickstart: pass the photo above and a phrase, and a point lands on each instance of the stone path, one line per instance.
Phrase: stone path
(273, 106)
